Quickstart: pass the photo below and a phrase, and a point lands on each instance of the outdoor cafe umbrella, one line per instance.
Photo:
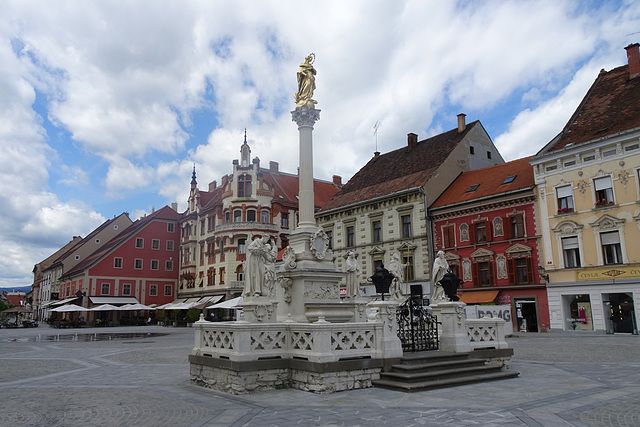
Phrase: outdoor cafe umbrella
(17, 310)
(134, 307)
(69, 308)
(232, 303)
(105, 307)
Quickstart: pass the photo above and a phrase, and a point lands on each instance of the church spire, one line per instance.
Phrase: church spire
(194, 183)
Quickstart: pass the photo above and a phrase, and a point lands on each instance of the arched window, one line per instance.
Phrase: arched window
(244, 186)
(240, 273)
(264, 217)
(251, 215)
(237, 215)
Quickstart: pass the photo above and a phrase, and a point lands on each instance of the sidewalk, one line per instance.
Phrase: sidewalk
(50, 377)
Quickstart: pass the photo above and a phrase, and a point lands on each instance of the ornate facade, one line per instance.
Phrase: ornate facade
(588, 178)
(219, 223)
(485, 223)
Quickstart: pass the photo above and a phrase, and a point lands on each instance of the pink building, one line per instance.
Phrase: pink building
(485, 223)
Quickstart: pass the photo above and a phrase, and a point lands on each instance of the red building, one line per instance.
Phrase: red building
(485, 223)
(139, 265)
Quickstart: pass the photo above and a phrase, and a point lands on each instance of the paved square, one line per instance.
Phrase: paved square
(51, 377)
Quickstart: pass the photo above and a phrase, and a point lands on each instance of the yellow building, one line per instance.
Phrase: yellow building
(588, 182)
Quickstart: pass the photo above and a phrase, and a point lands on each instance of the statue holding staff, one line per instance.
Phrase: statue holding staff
(306, 83)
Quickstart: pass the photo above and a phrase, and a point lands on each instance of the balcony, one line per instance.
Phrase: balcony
(241, 226)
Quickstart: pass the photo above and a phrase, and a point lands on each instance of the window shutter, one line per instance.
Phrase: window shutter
(530, 278)
(492, 280)
(472, 234)
(475, 273)
(489, 226)
(511, 268)
(507, 228)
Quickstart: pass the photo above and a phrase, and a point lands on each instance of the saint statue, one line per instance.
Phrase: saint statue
(259, 252)
(353, 275)
(396, 268)
(306, 83)
(270, 269)
(440, 268)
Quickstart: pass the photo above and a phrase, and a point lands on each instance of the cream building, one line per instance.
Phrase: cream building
(383, 209)
(588, 181)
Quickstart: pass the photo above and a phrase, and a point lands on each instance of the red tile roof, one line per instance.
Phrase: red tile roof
(399, 170)
(490, 182)
(611, 105)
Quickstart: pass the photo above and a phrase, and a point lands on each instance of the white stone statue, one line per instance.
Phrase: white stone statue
(353, 275)
(440, 268)
(396, 268)
(270, 269)
(258, 253)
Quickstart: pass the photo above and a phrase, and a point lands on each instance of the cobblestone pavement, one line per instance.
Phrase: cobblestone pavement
(92, 377)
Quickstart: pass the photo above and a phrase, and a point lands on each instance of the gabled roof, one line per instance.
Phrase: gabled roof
(490, 181)
(165, 213)
(45, 264)
(88, 238)
(611, 106)
(400, 169)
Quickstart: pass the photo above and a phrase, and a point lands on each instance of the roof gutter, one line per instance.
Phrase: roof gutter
(375, 199)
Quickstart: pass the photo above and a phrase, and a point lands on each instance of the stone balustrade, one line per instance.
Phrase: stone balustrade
(486, 333)
(318, 342)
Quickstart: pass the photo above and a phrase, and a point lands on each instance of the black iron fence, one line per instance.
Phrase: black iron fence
(417, 327)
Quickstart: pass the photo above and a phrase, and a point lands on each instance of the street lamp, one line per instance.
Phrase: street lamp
(541, 272)
(382, 280)
(449, 283)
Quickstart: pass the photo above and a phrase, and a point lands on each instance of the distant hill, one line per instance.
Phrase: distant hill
(24, 289)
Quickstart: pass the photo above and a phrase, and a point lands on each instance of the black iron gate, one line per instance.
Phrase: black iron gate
(417, 327)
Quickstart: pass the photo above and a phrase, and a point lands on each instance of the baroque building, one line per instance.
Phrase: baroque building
(588, 181)
(485, 222)
(383, 210)
(219, 223)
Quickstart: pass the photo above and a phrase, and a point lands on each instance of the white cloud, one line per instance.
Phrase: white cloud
(126, 80)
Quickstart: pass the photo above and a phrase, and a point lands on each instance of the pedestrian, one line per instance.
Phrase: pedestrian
(149, 321)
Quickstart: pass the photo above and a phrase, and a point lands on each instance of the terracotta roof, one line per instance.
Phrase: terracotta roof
(163, 213)
(399, 170)
(490, 181)
(611, 105)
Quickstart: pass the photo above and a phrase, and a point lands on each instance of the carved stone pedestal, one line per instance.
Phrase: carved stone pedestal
(259, 310)
(453, 335)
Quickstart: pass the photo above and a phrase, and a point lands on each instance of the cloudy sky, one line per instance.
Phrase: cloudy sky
(105, 106)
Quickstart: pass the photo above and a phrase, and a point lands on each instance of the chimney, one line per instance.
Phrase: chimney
(633, 57)
(273, 167)
(174, 206)
(412, 140)
(462, 125)
(337, 179)
(213, 185)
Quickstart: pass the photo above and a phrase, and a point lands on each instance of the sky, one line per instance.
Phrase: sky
(106, 106)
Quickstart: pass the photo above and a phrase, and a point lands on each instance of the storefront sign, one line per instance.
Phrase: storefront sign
(610, 273)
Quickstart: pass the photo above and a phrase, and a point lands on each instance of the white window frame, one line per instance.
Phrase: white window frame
(562, 192)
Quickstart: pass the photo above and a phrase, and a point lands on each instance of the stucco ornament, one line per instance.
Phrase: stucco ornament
(306, 83)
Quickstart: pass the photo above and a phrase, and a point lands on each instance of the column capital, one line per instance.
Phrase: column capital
(305, 116)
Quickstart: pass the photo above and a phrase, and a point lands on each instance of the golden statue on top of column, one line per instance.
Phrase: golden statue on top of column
(306, 83)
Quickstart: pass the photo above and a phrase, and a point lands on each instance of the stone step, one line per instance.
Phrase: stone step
(423, 357)
(441, 374)
(451, 382)
(437, 364)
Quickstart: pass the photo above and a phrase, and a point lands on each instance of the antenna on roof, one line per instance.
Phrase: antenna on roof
(375, 133)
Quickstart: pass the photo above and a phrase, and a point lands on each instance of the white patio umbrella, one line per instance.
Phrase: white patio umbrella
(69, 308)
(105, 307)
(232, 303)
(134, 307)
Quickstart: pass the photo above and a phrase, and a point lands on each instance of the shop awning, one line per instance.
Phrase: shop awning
(206, 301)
(62, 302)
(114, 300)
(479, 297)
